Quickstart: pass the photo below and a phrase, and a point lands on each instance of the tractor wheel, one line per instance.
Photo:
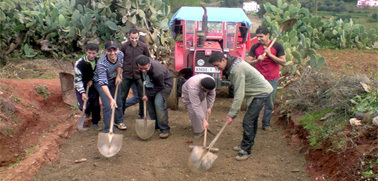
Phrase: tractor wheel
(173, 100)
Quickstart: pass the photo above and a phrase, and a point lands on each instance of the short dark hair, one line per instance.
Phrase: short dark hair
(262, 30)
(92, 46)
(134, 31)
(216, 57)
(142, 60)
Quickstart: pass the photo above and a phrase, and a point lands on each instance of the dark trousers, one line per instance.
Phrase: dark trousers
(157, 109)
(93, 104)
(250, 123)
(125, 88)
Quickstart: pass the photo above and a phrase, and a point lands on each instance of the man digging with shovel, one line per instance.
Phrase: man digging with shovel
(158, 82)
(107, 76)
(198, 96)
(250, 84)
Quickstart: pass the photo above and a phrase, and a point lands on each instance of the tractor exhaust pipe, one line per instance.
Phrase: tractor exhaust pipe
(202, 34)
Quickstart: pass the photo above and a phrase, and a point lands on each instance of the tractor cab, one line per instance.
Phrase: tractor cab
(198, 32)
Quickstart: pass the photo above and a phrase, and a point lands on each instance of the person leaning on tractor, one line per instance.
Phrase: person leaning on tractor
(131, 73)
(158, 81)
(84, 68)
(250, 84)
(198, 96)
(268, 66)
(107, 76)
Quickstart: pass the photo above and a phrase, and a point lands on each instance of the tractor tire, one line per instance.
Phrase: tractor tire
(173, 100)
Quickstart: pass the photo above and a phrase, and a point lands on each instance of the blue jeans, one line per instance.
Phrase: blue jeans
(126, 85)
(106, 109)
(157, 109)
(250, 123)
(269, 105)
(132, 100)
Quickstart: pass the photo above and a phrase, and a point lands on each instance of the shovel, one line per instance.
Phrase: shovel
(287, 24)
(80, 124)
(202, 159)
(109, 144)
(145, 128)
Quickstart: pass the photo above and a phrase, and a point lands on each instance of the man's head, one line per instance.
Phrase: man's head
(143, 62)
(263, 35)
(218, 61)
(111, 49)
(134, 36)
(91, 50)
(208, 83)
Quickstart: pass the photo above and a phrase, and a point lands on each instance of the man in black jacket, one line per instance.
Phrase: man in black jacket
(158, 81)
(84, 68)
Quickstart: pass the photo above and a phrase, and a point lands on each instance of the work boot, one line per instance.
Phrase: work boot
(96, 127)
(269, 129)
(164, 135)
(121, 126)
(236, 148)
(198, 135)
(242, 155)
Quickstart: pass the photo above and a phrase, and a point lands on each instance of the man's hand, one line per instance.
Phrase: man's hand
(118, 80)
(84, 96)
(113, 104)
(229, 119)
(205, 124)
(260, 58)
(145, 98)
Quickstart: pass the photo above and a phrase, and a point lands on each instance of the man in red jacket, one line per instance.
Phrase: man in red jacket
(267, 62)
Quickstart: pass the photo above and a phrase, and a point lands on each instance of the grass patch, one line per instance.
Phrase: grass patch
(42, 89)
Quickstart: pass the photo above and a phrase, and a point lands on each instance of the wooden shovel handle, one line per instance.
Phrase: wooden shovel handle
(205, 135)
(219, 133)
(86, 100)
(113, 111)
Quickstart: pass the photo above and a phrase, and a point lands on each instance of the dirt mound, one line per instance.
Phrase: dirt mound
(32, 127)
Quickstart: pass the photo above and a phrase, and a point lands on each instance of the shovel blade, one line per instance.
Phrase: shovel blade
(145, 130)
(200, 159)
(67, 88)
(80, 124)
(109, 144)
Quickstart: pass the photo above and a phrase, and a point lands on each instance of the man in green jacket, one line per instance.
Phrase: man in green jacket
(249, 84)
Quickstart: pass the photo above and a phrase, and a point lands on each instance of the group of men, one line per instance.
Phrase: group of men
(255, 79)
(128, 66)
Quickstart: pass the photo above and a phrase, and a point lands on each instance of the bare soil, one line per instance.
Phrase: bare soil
(39, 140)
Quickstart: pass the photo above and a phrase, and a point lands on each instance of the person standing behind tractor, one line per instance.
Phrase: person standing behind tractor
(250, 84)
(84, 69)
(198, 96)
(158, 81)
(131, 73)
(107, 76)
(269, 66)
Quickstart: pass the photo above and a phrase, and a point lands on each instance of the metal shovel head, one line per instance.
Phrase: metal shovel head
(145, 128)
(109, 144)
(287, 24)
(200, 159)
(67, 88)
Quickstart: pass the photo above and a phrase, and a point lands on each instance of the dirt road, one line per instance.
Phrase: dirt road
(158, 159)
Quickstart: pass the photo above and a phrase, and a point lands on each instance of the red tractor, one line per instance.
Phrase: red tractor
(200, 31)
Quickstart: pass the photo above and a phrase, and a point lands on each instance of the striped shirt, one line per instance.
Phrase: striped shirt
(106, 70)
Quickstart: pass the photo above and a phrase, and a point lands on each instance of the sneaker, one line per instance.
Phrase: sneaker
(164, 135)
(267, 128)
(121, 126)
(236, 148)
(242, 155)
(198, 135)
(96, 127)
